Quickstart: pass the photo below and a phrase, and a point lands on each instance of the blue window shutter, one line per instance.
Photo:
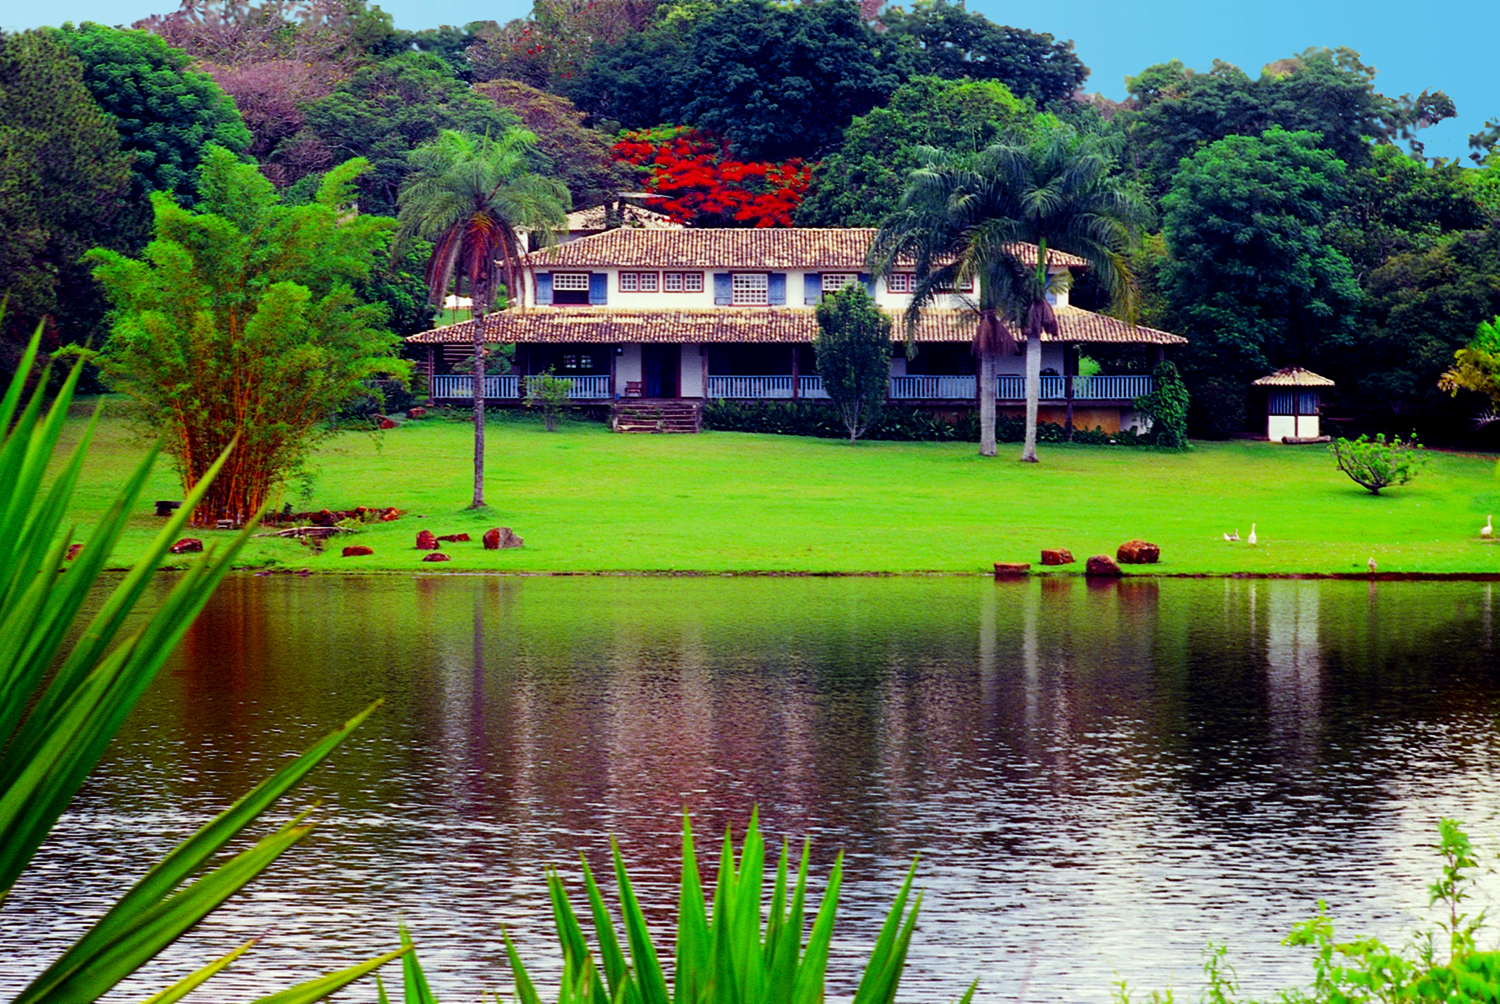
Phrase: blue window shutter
(598, 288)
(776, 289)
(723, 288)
(869, 281)
(812, 288)
(544, 287)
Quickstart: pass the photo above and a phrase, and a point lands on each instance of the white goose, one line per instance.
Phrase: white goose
(1251, 538)
(1488, 528)
(1233, 536)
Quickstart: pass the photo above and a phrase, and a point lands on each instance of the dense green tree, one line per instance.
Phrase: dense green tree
(382, 112)
(860, 183)
(240, 323)
(784, 81)
(1327, 91)
(471, 197)
(1420, 309)
(165, 111)
(947, 40)
(853, 350)
(63, 181)
(579, 157)
(1397, 204)
(974, 219)
(775, 81)
(1252, 280)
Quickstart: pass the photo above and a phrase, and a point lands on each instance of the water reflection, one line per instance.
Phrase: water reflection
(1100, 777)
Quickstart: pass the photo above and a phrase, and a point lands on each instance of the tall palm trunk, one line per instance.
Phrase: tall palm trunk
(478, 322)
(986, 392)
(1033, 391)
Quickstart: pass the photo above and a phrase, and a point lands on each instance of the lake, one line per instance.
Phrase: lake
(1099, 779)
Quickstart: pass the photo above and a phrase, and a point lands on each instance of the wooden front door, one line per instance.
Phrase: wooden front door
(660, 365)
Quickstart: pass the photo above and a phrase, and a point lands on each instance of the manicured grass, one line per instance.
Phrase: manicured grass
(588, 500)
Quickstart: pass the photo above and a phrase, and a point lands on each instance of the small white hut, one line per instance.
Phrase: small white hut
(1292, 402)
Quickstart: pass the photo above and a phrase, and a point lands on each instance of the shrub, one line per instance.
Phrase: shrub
(550, 395)
(1366, 971)
(902, 424)
(1167, 408)
(1379, 463)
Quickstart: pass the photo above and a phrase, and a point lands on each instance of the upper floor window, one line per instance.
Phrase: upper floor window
(835, 281)
(682, 282)
(750, 287)
(572, 281)
(639, 282)
(966, 286)
(900, 282)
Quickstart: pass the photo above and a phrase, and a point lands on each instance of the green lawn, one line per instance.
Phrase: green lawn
(588, 500)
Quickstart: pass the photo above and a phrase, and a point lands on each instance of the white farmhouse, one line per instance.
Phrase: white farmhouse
(692, 315)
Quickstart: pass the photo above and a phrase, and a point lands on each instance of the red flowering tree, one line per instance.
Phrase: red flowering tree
(706, 188)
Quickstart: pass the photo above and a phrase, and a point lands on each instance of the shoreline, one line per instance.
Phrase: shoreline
(262, 572)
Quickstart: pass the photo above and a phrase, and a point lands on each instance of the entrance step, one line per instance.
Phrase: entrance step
(657, 416)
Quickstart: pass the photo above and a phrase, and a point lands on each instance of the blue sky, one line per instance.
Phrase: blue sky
(1448, 47)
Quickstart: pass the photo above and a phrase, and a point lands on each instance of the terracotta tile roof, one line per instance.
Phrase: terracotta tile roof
(1293, 376)
(842, 249)
(764, 325)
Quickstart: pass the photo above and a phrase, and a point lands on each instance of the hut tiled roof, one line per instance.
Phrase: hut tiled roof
(1293, 376)
(833, 249)
(763, 325)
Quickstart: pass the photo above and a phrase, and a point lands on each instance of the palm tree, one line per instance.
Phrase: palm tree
(988, 220)
(471, 197)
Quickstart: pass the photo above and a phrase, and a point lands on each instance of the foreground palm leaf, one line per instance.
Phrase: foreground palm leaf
(60, 707)
(723, 956)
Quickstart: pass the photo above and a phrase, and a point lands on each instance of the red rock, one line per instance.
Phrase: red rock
(426, 541)
(186, 545)
(437, 556)
(390, 514)
(73, 550)
(500, 537)
(323, 518)
(417, 412)
(1103, 565)
(1005, 568)
(1058, 556)
(455, 538)
(357, 551)
(1138, 552)
(386, 423)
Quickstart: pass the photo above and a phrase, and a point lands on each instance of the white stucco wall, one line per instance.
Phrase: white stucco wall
(1296, 426)
(694, 364)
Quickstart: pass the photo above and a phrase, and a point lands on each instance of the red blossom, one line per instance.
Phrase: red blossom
(708, 188)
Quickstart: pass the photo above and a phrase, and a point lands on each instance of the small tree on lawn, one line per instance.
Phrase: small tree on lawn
(549, 394)
(853, 350)
(1379, 463)
(240, 322)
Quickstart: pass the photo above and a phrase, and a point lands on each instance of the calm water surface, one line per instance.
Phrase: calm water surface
(1098, 780)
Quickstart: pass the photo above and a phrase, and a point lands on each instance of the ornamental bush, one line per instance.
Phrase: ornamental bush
(1166, 407)
(1379, 463)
